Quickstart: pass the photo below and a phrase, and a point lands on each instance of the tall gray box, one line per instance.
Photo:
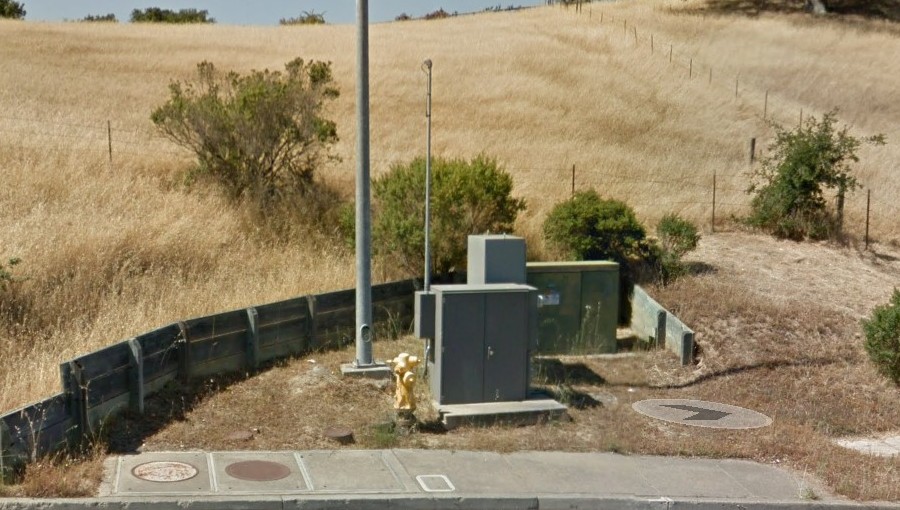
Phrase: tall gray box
(484, 335)
(495, 259)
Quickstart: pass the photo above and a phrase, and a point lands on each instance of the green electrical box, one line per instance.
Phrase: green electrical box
(578, 306)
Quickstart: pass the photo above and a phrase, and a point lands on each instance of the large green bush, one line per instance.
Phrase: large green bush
(588, 227)
(468, 197)
(12, 9)
(260, 135)
(789, 188)
(883, 338)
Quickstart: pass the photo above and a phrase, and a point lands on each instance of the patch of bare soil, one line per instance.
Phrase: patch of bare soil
(778, 331)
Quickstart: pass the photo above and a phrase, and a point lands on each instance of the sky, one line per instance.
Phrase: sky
(257, 12)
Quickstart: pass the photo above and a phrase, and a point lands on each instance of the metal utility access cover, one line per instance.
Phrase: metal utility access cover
(700, 413)
(165, 471)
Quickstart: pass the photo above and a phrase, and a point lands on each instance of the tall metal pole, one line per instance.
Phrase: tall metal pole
(427, 67)
(363, 210)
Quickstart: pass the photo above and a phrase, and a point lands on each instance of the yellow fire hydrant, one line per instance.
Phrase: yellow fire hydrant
(405, 377)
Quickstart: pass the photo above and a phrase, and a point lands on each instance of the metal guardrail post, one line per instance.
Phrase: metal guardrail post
(252, 338)
(184, 354)
(136, 377)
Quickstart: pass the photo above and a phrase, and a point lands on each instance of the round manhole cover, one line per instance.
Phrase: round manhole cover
(258, 471)
(165, 471)
(700, 413)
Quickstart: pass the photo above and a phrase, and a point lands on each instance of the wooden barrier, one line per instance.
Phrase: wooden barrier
(119, 377)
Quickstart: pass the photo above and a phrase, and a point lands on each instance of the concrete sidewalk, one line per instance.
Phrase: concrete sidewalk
(433, 479)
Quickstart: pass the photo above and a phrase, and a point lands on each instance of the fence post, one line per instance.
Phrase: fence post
(801, 118)
(752, 150)
(184, 354)
(691, 68)
(737, 80)
(635, 37)
(766, 106)
(573, 180)
(670, 53)
(109, 140)
(136, 377)
(868, 208)
(712, 225)
(651, 44)
(252, 338)
(710, 75)
(625, 27)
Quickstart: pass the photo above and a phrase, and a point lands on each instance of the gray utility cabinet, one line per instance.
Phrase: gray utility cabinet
(484, 335)
(495, 259)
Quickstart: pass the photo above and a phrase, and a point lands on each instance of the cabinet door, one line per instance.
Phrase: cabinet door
(505, 346)
(461, 348)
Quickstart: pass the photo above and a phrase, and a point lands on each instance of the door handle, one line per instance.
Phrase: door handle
(490, 352)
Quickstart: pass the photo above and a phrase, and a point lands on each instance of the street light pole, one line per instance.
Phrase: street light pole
(426, 66)
(364, 331)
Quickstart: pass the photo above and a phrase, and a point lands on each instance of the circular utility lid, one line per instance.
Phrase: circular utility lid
(700, 413)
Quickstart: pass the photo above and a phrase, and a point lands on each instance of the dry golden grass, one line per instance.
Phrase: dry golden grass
(110, 250)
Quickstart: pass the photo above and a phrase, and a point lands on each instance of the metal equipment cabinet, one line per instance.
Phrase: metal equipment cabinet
(484, 335)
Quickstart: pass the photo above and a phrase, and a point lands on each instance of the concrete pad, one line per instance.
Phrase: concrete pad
(882, 447)
(127, 483)
(350, 471)
(763, 482)
(375, 371)
(295, 481)
(525, 412)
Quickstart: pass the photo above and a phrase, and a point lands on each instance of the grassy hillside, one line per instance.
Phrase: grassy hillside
(112, 249)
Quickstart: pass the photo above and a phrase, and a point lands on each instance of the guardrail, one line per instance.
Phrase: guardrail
(650, 321)
(107, 382)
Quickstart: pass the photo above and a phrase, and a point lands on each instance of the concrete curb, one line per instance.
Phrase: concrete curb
(428, 502)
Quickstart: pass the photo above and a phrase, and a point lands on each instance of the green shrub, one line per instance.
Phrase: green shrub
(677, 236)
(6, 277)
(883, 338)
(12, 9)
(467, 197)
(789, 189)
(305, 18)
(587, 227)
(260, 135)
(110, 18)
(157, 15)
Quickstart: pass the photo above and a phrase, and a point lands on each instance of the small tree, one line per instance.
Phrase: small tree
(261, 133)
(306, 18)
(789, 189)
(12, 9)
(883, 338)
(468, 197)
(157, 15)
(103, 18)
